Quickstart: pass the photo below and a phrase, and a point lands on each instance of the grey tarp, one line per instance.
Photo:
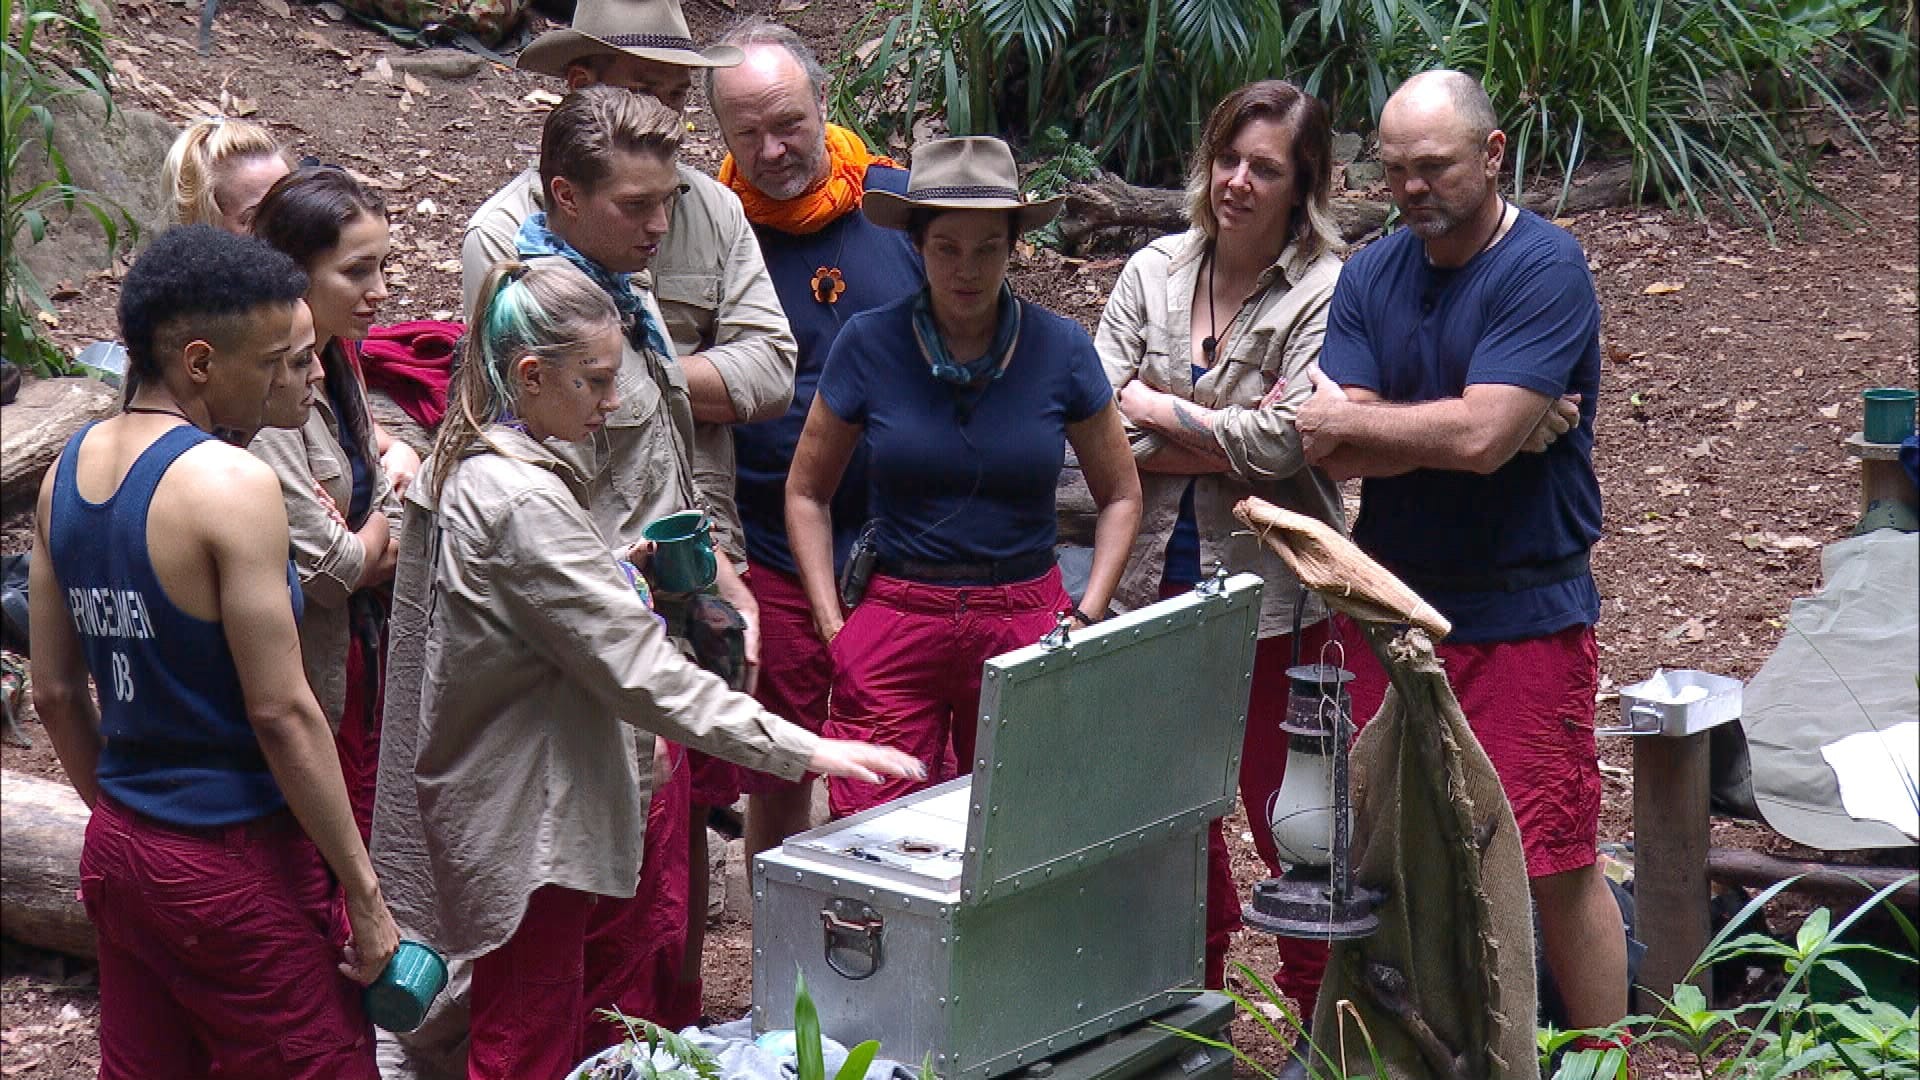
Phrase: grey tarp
(1847, 664)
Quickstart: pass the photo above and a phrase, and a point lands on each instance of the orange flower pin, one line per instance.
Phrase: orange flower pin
(828, 285)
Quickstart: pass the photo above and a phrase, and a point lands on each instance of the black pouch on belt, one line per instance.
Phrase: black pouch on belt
(859, 568)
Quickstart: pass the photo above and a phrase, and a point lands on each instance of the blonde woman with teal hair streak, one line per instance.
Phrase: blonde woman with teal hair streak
(527, 681)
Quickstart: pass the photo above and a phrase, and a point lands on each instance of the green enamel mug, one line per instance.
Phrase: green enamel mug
(399, 999)
(683, 560)
(1889, 413)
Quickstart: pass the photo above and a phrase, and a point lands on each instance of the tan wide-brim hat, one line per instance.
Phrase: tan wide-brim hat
(974, 172)
(648, 29)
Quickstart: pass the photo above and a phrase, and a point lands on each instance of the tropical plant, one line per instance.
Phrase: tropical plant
(1701, 95)
(1796, 1034)
(1131, 80)
(1294, 1034)
(810, 1060)
(32, 77)
(650, 1052)
(1696, 93)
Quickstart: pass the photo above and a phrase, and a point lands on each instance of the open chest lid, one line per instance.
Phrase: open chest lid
(1127, 732)
(917, 842)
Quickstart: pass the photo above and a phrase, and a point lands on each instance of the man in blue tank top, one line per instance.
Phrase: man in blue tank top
(1459, 378)
(800, 181)
(160, 571)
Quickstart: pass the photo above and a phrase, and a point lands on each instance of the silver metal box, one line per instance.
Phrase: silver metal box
(1056, 894)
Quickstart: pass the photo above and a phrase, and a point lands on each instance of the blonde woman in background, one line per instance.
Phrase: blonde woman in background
(218, 170)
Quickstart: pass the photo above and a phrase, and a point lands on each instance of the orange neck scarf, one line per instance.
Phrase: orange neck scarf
(819, 207)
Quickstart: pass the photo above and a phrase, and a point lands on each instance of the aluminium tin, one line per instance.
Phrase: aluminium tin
(1055, 895)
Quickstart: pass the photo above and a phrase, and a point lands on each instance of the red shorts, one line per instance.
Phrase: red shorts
(907, 671)
(217, 952)
(714, 781)
(1263, 765)
(795, 671)
(1530, 703)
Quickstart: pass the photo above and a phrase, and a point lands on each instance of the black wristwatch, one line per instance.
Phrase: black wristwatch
(1081, 615)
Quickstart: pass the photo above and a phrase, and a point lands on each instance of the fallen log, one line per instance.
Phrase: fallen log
(1108, 202)
(45, 823)
(39, 423)
(1835, 881)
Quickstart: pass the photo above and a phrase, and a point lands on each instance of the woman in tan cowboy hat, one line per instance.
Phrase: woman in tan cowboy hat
(967, 397)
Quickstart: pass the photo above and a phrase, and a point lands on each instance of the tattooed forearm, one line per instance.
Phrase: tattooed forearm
(1191, 430)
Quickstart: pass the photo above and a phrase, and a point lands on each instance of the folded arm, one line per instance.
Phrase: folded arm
(1349, 431)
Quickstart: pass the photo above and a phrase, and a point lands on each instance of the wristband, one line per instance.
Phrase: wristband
(1081, 615)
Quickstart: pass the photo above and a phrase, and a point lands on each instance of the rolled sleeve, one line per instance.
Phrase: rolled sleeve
(1121, 341)
(752, 346)
(570, 603)
(1263, 442)
(327, 555)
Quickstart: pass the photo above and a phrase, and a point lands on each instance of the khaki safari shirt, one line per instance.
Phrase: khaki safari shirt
(518, 651)
(316, 481)
(1146, 333)
(717, 299)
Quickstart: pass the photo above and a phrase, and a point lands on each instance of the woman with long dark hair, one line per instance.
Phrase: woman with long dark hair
(340, 504)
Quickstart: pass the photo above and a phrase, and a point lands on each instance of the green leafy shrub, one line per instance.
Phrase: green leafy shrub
(1794, 1035)
(32, 76)
(1132, 80)
(1697, 94)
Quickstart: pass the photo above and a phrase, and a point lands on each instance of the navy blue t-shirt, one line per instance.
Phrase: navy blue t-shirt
(878, 266)
(1522, 313)
(979, 491)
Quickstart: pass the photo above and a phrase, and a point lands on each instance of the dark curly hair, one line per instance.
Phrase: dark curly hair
(197, 281)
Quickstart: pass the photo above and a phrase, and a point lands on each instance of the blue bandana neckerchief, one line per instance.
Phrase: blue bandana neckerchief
(536, 239)
(975, 374)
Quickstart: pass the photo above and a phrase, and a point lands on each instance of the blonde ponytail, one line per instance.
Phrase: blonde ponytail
(198, 157)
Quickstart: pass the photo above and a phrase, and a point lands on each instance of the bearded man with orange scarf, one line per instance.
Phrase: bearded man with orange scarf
(800, 180)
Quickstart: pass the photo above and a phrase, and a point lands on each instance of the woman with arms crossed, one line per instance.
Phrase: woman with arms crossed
(1206, 340)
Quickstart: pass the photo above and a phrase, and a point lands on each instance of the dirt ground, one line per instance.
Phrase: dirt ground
(1726, 391)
